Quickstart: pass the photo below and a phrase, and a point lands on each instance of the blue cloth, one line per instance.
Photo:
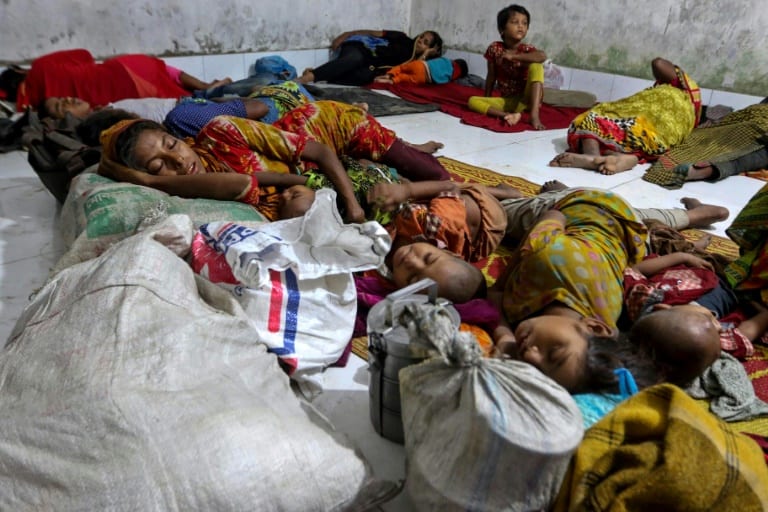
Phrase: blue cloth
(720, 300)
(627, 384)
(276, 66)
(594, 406)
(440, 70)
(370, 42)
(191, 114)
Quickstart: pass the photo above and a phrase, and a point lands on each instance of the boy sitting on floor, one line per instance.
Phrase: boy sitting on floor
(439, 70)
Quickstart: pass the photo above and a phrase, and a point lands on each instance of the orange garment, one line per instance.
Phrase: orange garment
(414, 72)
(75, 73)
(443, 221)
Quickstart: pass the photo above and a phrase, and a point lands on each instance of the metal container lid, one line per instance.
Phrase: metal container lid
(384, 317)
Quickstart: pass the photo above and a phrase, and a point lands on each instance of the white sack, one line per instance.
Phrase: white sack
(481, 434)
(129, 383)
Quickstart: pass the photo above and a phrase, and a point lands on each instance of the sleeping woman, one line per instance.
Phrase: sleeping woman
(234, 158)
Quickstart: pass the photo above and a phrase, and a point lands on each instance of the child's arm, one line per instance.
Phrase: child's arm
(534, 56)
(490, 79)
(651, 266)
(388, 197)
(754, 327)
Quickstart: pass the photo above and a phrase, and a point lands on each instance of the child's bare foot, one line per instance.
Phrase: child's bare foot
(430, 147)
(537, 125)
(551, 186)
(703, 215)
(503, 191)
(569, 159)
(611, 164)
(362, 105)
(513, 118)
(703, 242)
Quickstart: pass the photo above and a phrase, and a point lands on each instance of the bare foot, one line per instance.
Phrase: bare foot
(611, 164)
(504, 191)
(537, 125)
(703, 215)
(430, 147)
(307, 76)
(223, 81)
(551, 186)
(568, 159)
(513, 118)
(699, 171)
(703, 242)
(362, 105)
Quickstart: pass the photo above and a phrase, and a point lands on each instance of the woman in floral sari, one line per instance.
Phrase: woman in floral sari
(615, 136)
(234, 158)
(748, 274)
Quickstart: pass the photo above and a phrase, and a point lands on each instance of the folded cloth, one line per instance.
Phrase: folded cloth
(728, 386)
(660, 450)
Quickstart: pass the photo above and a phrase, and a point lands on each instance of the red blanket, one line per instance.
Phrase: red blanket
(453, 98)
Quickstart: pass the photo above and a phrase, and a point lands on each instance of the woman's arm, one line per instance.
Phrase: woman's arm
(651, 266)
(331, 166)
(255, 109)
(223, 186)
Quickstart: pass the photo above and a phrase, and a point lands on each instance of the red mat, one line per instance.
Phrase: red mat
(453, 99)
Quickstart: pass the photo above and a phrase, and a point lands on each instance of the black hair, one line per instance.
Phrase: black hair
(10, 80)
(503, 16)
(607, 353)
(437, 42)
(89, 130)
(463, 67)
(126, 141)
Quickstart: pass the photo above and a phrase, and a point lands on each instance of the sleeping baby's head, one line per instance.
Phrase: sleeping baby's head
(457, 280)
(295, 201)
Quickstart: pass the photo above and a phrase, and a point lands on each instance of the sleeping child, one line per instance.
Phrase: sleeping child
(439, 70)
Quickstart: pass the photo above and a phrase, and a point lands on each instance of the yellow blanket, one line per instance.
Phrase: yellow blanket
(659, 450)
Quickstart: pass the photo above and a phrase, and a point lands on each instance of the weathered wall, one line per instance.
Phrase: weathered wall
(721, 43)
(29, 28)
(718, 42)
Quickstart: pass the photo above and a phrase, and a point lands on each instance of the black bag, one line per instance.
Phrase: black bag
(56, 153)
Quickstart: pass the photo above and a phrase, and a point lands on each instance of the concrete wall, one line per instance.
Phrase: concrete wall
(718, 42)
(29, 28)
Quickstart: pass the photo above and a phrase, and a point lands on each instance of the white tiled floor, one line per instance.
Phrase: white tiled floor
(30, 245)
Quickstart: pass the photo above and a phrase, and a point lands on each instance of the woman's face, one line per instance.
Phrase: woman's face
(424, 42)
(556, 345)
(162, 154)
(59, 107)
